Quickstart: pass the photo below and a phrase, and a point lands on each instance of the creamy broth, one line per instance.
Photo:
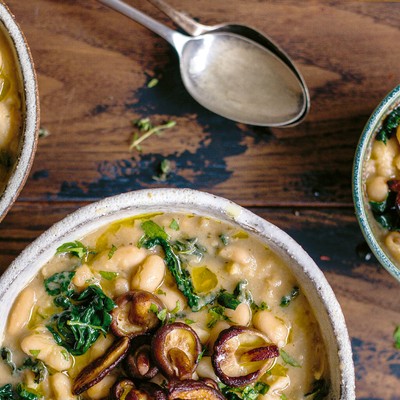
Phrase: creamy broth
(239, 287)
(382, 177)
(10, 109)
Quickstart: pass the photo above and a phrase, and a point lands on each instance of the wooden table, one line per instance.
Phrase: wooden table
(93, 67)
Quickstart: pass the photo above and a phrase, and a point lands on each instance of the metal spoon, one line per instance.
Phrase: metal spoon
(231, 75)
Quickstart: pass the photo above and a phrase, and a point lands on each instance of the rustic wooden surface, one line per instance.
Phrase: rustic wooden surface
(93, 67)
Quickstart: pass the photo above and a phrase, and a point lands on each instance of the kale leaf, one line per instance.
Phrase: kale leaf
(385, 212)
(389, 126)
(286, 300)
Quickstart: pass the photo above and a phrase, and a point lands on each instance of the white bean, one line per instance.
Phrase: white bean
(22, 311)
(47, 350)
(121, 286)
(150, 274)
(392, 242)
(205, 369)
(62, 387)
(83, 277)
(240, 316)
(275, 328)
(215, 331)
(377, 188)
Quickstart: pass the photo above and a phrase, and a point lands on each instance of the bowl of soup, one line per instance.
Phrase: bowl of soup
(170, 294)
(376, 182)
(19, 110)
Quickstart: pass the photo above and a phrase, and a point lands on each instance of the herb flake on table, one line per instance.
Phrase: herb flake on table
(153, 82)
(164, 172)
(145, 129)
(396, 337)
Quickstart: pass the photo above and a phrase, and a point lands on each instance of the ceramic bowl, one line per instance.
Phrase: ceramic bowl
(369, 226)
(30, 111)
(92, 217)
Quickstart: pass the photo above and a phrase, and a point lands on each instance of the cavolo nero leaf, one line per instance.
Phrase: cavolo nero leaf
(385, 212)
(6, 356)
(389, 125)
(59, 283)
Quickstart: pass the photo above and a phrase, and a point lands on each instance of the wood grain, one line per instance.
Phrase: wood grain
(93, 67)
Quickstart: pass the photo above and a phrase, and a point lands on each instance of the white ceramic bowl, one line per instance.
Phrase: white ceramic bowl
(30, 111)
(92, 217)
(369, 226)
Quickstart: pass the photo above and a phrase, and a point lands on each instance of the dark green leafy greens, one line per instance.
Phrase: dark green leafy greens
(216, 313)
(240, 295)
(385, 212)
(85, 316)
(286, 300)
(244, 393)
(389, 126)
(6, 356)
(37, 367)
(76, 249)
(255, 307)
(59, 283)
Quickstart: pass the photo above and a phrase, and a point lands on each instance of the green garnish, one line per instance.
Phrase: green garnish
(244, 393)
(153, 82)
(161, 292)
(35, 353)
(385, 212)
(112, 251)
(7, 392)
(108, 275)
(217, 313)
(85, 316)
(232, 300)
(6, 356)
(319, 391)
(152, 231)
(59, 283)
(255, 307)
(164, 171)
(146, 129)
(396, 337)
(174, 225)
(189, 321)
(27, 393)
(76, 249)
(43, 132)
(37, 367)
(224, 239)
(286, 300)
(288, 359)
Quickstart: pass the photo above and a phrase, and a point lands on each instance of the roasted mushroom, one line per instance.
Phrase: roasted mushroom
(138, 363)
(102, 366)
(154, 391)
(193, 390)
(121, 389)
(125, 389)
(176, 349)
(241, 355)
(134, 314)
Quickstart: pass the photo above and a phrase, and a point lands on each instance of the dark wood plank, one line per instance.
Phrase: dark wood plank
(93, 66)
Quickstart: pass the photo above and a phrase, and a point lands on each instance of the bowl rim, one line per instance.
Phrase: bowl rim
(30, 129)
(362, 215)
(92, 216)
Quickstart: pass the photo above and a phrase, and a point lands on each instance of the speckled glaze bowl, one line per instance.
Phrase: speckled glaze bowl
(30, 111)
(92, 217)
(365, 218)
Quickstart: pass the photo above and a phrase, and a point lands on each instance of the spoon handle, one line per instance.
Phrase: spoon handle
(188, 24)
(176, 39)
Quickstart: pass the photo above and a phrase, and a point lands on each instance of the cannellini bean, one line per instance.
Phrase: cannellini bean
(241, 316)
(377, 188)
(83, 277)
(150, 274)
(22, 311)
(215, 331)
(205, 369)
(275, 328)
(171, 297)
(102, 389)
(62, 387)
(392, 242)
(47, 350)
(276, 385)
(100, 346)
(121, 286)
(203, 334)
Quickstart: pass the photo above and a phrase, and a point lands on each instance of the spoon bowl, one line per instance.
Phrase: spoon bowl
(232, 75)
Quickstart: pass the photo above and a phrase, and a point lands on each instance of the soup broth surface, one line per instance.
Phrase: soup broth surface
(234, 280)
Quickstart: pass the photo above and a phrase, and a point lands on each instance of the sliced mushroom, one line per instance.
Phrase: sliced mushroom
(153, 390)
(193, 390)
(121, 389)
(176, 349)
(134, 314)
(100, 367)
(241, 355)
(138, 363)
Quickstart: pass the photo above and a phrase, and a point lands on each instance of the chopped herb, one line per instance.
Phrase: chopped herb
(153, 82)
(189, 321)
(319, 391)
(244, 393)
(224, 239)
(240, 295)
(289, 359)
(6, 356)
(112, 251)
(176, 308)
(286, 300)
(59, 283)
(43, 132)
(161, 292)
(146, 129)
(189, 247)
(27, 393)
(85, 316)
(35, 353)
(7, 392)
(152, 230)
(228, 300)
(108, 275)
(200, 356)
(217, 313)
(283, 397)
(174, 225)
(165, 169)
(396, 337)
(65, 354)
(76, 249)
(255, 307)
(37, 367)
